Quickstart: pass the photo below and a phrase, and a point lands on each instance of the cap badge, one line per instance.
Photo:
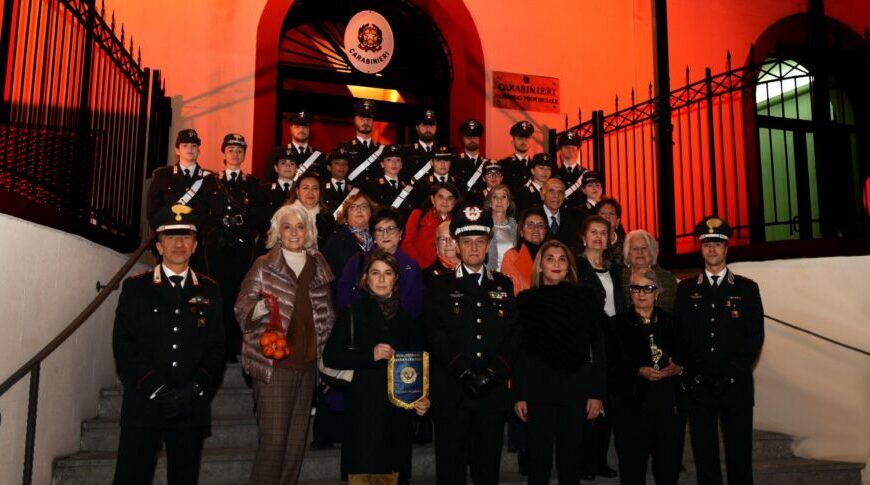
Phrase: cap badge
(179, 210)
(471, 124)
(712, 224)
(472, 213)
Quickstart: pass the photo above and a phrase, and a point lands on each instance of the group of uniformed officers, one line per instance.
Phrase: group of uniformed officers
(175, 327)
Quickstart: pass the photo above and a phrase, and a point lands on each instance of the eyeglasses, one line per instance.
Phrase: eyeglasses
(445, 240)
(648, 289)
(358, 207)
(381, 231)
(535, 225)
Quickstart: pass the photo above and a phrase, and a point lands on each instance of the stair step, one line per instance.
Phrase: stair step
(232, 466)
(229, 401)
(101, 434)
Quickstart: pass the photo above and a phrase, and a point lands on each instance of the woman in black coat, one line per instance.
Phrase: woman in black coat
(378, 441)
(352, 234)
(604, 277)
(644, 386)
(558, 379)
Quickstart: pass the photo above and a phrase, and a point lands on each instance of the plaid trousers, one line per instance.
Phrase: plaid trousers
(283, 411)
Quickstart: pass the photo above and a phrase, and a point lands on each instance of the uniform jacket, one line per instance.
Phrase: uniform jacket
(471, 326)
(419, 238)
(628, 350)
(384, 194)
(436, 269)
(162, 341)
(168, 184)
(237, 209)
(271, 274)
(358, 154)
(561, 359)
(576, 197)
(517, 265)
(527, 196)
(380, 439)
(722, 332)
(516, 172)
(318, 166)
(332, 198)
(414, 158)
(464, 166)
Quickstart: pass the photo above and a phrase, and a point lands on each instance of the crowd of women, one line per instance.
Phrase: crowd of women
(351, 297)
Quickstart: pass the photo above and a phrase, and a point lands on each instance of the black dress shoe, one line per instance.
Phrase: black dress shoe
(523, 462)
(606, 471)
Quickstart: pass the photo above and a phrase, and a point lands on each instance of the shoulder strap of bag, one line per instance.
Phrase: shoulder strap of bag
(351, 345)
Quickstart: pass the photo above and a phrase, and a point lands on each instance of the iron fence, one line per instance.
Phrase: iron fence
(743, 148)
(74, 119)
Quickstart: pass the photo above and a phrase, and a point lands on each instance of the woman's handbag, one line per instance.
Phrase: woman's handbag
(339, 377)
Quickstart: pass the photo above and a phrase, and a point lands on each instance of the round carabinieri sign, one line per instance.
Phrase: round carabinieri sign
(368, 42)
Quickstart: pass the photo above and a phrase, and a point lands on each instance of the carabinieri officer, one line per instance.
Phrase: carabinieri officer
(471, 323)
(168, 342)
(721, 319)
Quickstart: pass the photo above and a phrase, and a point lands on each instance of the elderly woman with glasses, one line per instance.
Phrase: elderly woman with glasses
(645, 392)
(640, 252)
(352, 235)
(387, 231)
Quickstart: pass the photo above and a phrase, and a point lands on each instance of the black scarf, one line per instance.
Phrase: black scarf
(389, 305)
(532, 247)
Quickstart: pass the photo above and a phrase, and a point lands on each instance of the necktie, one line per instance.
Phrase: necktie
(554, 225)
(428, 149)
(286, 186)
(176, 284)
(187, 173)
(367, 145)
(340, 186)
(442, 179)
(715, 279)
(233, 176)
(393, 184)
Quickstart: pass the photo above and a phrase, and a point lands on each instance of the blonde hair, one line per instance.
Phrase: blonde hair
(537, 272)
(273, 236)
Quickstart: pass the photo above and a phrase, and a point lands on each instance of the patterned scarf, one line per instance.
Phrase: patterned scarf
(363, 238)
(389, 304)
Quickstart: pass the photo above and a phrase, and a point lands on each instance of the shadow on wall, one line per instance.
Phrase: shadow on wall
(806, 387)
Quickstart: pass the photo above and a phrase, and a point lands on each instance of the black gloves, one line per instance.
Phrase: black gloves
(477, 384)
(175, 401)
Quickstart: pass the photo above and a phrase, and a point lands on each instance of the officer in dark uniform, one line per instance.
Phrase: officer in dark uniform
(184, 181)
(720, 317)
(590, 186)
(467, 161)
(542, 168)
(389, 190)
(229, 245)
(471, 323)
(416, 157)
(570, 171)
(442, 159)
(309, 159)
(516, 167)
(168, 343)
(492, 175)
(336, 188)
(362, 150)
(275, 194)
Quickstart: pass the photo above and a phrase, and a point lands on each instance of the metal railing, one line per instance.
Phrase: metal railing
(818, 336)
(74, 120)
(32, 366)
(750, 160)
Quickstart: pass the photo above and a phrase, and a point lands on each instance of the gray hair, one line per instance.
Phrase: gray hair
(651, 243)
(274, 233)
(646, 273)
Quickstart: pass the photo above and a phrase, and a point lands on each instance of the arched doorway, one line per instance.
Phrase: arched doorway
(810, 111)
(438, 63)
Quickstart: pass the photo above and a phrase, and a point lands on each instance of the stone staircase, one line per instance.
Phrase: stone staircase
(229, 452)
